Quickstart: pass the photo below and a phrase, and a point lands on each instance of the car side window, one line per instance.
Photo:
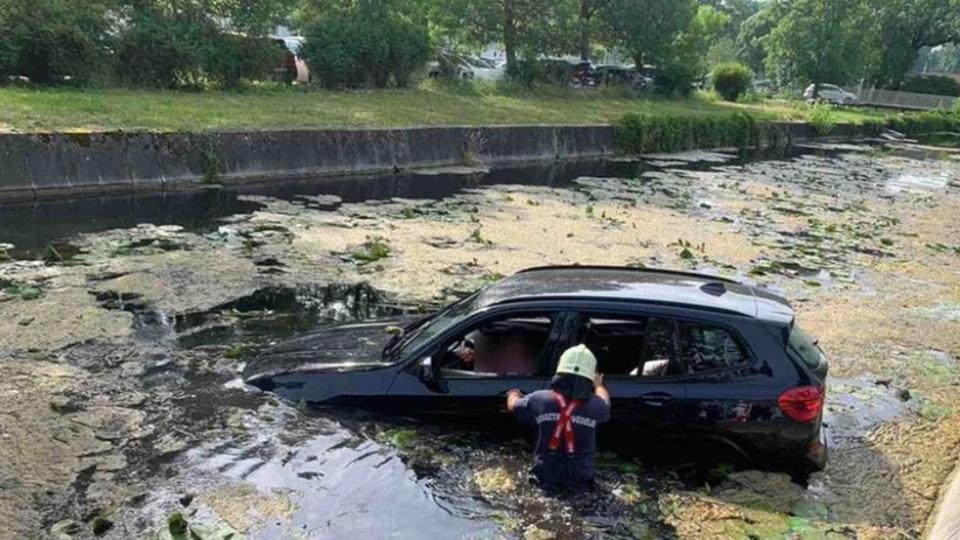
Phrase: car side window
(705, 348)
(630, 346)
(508, 346)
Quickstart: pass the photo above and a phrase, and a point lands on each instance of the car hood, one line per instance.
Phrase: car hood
(346, 347)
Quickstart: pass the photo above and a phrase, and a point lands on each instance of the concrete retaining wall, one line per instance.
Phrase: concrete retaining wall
(63, 164)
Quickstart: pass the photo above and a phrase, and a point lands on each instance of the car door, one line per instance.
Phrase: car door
(514, 350)
(635, 351)
(731, 395)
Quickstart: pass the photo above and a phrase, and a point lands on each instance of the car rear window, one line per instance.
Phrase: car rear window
(804, 347)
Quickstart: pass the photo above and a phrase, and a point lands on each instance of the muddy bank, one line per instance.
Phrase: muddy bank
(121, 414)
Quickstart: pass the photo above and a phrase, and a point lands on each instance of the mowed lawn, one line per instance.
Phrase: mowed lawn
(48, 110)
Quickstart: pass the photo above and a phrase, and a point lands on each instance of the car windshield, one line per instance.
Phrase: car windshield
(426, 329)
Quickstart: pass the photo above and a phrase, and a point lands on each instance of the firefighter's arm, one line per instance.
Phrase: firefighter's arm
(599, 389)
(513, 396)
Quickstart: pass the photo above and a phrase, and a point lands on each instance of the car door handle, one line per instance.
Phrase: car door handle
(656, 399)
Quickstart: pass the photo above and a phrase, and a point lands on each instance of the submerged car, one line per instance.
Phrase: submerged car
(686, 357)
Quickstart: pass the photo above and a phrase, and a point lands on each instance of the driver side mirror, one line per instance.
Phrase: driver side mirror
(430, 377)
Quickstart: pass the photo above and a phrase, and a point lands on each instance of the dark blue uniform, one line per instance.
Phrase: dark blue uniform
(558, 467)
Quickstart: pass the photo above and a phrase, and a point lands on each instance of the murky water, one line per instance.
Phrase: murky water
(154, 323)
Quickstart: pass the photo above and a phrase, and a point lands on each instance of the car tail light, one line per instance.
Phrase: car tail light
(802, 404)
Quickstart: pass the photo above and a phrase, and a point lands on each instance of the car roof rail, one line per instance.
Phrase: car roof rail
(706, 277)
(614, 300)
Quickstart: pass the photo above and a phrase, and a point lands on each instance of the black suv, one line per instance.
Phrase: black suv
(686, 357)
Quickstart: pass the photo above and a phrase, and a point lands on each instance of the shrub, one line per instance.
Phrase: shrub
(641, 133)
(160, 51)
(53, 41)
(527, 72)
(731, 80)
(232, 58)
(187, 49)
(364, 46)
(926, 122)
(943, 86)
(675, 78)
(820, 116)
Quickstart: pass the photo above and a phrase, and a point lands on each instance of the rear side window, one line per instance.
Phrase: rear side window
(802, 346)
(706, 348)
(630, 346)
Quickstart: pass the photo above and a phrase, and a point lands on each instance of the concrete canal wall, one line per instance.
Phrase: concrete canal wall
(38, 165)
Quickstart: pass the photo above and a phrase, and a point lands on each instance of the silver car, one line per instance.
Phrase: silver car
(830, 93)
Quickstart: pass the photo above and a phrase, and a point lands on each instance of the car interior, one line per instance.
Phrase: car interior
(624, 347)
(631, 347)
(504, 347)
(705, 348)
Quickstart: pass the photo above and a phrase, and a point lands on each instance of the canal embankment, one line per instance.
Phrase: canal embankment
(56, 165)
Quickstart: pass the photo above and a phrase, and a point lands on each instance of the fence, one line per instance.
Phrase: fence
(903, 100)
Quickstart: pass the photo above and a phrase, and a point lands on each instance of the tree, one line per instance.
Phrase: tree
(818, 41)
(365, 43)
(53, 41)
(587, 13)
(196, 43)
(753, 31)
(520, 25)
(708, 27)
(738, 11)
(245, 16)
(648, 29)
(942, 59)
(902, 28)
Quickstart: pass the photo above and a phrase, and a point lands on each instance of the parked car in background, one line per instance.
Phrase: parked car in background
(689, 359)
(463, 67)
(830, 93)
(566, 71)
(484, 70)
(612, 75)
(584, 75)
(294, 68)
(764, 87)
(448, 66)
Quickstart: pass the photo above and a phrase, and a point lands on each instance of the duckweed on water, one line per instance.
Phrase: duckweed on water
(177, 525)
(826, 223)
(402, 439)
(373, 250)
(23, 292)
(494, 480)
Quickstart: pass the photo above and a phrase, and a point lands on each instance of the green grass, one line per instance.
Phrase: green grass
(78, 110)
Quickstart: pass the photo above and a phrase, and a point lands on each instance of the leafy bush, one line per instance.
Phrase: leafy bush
(160, 51)
(820, 116)
(53, 41)
(527, 72)
(731, 80)
(942, 86)
(675, 78)
(176, 50)
(364, 46)
(232, 58)
(641, 133)
(926, 122)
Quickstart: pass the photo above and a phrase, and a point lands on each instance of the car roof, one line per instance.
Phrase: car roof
(647, 286)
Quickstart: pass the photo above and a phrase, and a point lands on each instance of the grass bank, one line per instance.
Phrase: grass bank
(283, 108)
